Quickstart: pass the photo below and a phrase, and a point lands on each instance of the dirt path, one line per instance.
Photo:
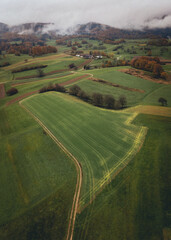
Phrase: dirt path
(74, 80)
(2, 91)
(20, 97)
(75, 204)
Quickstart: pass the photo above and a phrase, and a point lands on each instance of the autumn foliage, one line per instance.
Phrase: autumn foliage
(151, 64)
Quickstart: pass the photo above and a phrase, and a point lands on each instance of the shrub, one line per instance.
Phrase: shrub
(52, 87)
(81, 94)
(97, 99)
(5, 64)
(43, 89)
(123, 101)
(27, 68)
(12, 91)
(72, 65)
(40, 72)
(118, 105)
(164, 75)
(109, 101)
(74, 90)
(59, 88)
(163, 101)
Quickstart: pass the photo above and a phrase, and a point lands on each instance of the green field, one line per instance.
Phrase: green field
(90, 87)
(112, 75)
(53, 62)
(136, 204)
(30, 176)
(102, 141)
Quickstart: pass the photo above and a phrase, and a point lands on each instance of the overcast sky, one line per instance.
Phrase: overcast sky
(65, 13)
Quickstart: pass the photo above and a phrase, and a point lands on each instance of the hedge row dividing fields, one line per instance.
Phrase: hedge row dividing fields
(103, 141)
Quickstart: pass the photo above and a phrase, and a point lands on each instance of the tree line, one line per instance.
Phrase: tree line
(27, 68)
(97, 99)
(151, 64)
(27, 48)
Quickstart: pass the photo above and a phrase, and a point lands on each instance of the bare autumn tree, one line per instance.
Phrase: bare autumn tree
(74, 90)
(40, 72)
(123, 101)
(109, 101)
(97, 99)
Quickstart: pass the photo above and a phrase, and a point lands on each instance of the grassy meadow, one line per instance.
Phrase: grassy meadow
(102, 141)
(135, 205)
(30, 176)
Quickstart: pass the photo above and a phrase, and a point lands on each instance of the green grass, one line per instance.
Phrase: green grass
(101, 140)
(53, 65)
(114, 76)
(152, 99)
(12, 59)
(135, 205)
(32, 169)
(90, 87)
(36, 84)
(167, 67)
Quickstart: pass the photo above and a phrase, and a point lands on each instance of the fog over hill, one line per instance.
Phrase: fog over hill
(123, 14)
(91, 28)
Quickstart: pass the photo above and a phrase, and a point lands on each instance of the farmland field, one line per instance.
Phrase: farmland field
(136, 204)
(102, 141)
(29, 177)
(84, 172)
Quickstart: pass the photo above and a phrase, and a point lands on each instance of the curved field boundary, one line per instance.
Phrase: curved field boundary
(20, 97)
(30, 82)
(74, 80)
(46, 74)
(31, 93)
(54, 72)
(79, 176)
(34, 61)
(152, 110)
(2, 91)
(113, 172)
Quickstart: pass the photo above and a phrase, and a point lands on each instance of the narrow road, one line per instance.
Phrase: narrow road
(75, 203)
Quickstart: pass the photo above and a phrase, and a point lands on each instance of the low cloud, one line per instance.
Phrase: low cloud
(66, 13)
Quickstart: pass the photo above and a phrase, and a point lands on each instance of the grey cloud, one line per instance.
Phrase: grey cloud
(66, 13)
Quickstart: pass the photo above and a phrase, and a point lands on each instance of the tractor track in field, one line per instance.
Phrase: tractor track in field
(75, 203)
(2, 91)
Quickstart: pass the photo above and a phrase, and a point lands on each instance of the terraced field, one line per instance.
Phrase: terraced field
(103, 141)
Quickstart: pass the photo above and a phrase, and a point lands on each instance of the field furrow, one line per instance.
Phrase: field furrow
(103, 141)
